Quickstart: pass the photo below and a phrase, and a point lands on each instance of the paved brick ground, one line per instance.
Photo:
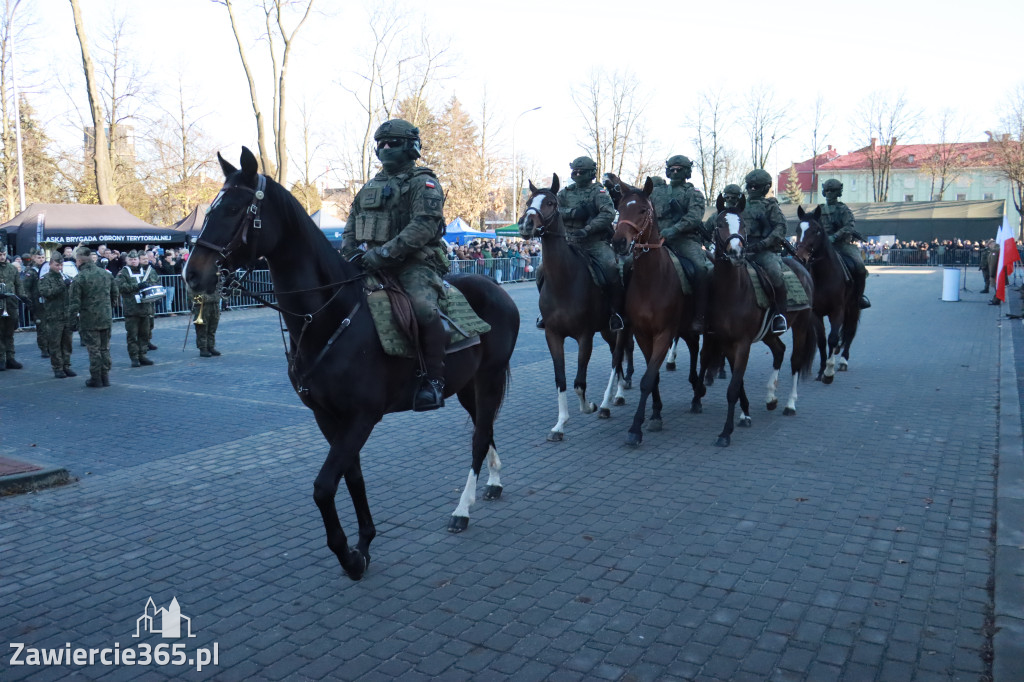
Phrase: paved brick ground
(853, 541)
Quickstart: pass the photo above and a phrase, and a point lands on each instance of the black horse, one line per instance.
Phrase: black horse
(335, 361)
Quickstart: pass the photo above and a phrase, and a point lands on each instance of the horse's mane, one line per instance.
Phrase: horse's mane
(293, 213)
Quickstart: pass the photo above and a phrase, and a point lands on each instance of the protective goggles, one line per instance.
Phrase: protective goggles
(390, 143)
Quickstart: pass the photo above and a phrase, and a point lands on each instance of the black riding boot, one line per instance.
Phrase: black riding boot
(430, 392)
(617, 299)
(781, 308)
(864, 302)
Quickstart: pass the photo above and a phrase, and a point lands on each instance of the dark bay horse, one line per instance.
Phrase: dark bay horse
(572, 305)
(656, 307)
(834, 297)
(737, 322)
(335, 361)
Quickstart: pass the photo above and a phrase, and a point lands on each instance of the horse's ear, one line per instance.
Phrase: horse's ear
(648, 186)
(742, 205)
(554, 183)
(720, 203)
(249, 164)
(533, 189)
(817, 213)
(225, 166)
(801, 213)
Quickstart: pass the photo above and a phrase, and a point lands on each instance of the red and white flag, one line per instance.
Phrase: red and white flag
(1008, 255)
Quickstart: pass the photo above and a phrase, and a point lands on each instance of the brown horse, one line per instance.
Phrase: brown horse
(834, 297)
(737, 321)
(656, 307)
(572, 305)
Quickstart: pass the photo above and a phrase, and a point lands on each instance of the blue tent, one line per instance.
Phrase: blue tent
(458, 232)
(333, 228)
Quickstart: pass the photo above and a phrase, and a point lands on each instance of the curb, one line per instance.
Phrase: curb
(1008, 638)
(30, 481)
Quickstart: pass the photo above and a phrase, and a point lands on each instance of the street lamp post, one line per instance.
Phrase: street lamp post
(515, 188)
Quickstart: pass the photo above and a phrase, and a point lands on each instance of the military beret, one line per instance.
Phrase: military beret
(26, 257)
(132, 254)
(34, 252)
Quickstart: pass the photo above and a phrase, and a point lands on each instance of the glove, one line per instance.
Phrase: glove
(375, 260)
(676, 208)
(577, 235)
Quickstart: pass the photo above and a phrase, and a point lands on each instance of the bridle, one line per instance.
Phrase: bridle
(720, 243)
(547, 225)
(249, 220)
(814, 255)
(637, 245)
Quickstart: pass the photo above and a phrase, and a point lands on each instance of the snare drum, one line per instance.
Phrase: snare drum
(151, 293)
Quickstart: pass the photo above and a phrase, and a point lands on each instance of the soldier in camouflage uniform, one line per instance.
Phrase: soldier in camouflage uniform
(587, 213)
(10, 290)
(90, 310)
(53, 288)
(679, 207)
(31, 263)
(766, 230)
(206, 331)
(138, 315)
(837, 219)
(398, 217)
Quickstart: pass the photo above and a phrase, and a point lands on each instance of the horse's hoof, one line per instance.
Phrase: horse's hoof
(721, 373)
(604, 413)
(842, 368)
(655, 425)
(696, 407)
(827, 379)
(743, 422)
(634, 439)
(492, 492)
(723, 441)
(619, 401)
(670, 366)
(590, 409)
(789, 412)
(360, 562)
(628, 384)
(458, 524)
(772, 405)
(556, 437)
(709, 380)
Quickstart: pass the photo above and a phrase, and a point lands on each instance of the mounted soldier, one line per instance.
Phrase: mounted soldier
(679, 207)
(398, 219)
(837, 219)
(766, 230)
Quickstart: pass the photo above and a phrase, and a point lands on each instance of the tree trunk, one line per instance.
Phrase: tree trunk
(100, 154)
(265, 161)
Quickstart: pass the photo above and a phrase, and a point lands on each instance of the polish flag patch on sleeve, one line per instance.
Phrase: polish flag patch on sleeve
(430, 184)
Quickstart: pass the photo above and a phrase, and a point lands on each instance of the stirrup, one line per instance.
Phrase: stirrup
(616, 323)
(864, 302)
(429, 395)
(540, 322)
(779, 324)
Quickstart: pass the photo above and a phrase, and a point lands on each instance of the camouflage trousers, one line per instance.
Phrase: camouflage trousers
(41, 333)
(601, 252)
(138, 330)
(206, 333)
(771, 263)
(852, 253)
(97, 342)
(7, 326)
(694, 252)
(424, 287)
(57, 337)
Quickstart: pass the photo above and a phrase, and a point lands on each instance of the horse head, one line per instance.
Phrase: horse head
(614, 187)
(233, 235)
(541, 216)
(730, 231)
(637, 226)
(812, 234)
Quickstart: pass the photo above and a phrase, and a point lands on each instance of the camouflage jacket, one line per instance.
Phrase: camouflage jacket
(129, 283)
(91, 297)
(765, 225)
(598, 226)
(30, 285)
(54, 290)
(404, 211)
(838, 222)
(11, 285)
(682, 219)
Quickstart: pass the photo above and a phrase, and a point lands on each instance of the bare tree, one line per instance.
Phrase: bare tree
(766, 122)
(884, 118)
(305, 188)
(1010, 145)
(709, 122)
(612, 106)
(105, 190)
(947, 163)
(821, 128)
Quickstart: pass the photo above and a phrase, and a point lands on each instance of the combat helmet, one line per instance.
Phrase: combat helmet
(832, 184)
(678, 160)
(583, 163)
(398, 129)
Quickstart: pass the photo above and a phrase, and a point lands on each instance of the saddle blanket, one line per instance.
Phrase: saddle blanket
(453, 306)
(796, 295)
(684, 279)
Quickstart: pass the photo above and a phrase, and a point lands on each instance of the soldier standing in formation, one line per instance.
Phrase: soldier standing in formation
(138, 314)
(53, 289)
(588, 212)
(839, 224)
(90, 310)
(766, 230)
(206, 308)
(679, 207)
(30, 274)
(10, 290)
(398, 217)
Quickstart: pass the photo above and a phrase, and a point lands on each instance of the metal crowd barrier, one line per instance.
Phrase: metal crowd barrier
(925, 257)
(501, 269)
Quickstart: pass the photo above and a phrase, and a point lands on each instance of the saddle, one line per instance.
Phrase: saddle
(796, 295)
(684, 269)
(395, 322)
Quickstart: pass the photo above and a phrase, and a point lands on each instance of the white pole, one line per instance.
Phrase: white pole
(515, 188)
(17, 109)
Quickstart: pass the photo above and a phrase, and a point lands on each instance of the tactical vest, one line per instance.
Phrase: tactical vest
(382, 214)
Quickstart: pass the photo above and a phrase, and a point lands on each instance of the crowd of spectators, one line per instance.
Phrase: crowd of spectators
(502, 259)
(956, 252)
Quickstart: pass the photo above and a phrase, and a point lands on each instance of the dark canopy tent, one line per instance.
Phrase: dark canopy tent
(192, 224)
(70, 224)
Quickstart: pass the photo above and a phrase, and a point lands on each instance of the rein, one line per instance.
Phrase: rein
(636, 245)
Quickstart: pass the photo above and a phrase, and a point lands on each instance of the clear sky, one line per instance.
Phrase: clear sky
(960, 55)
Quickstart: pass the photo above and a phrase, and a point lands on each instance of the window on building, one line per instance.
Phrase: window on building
(908, 197)
(910, 158)
(961, 197)
(936, 197)
(988, 196)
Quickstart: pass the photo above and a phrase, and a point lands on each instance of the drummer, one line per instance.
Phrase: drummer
(138, 313)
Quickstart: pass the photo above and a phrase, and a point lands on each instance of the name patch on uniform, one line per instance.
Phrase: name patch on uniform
(430, 184)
